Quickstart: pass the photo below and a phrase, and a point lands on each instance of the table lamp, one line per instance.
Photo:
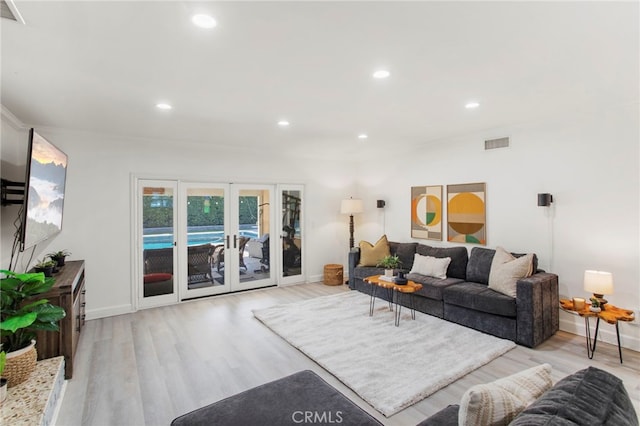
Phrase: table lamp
(599, 283)
(351, 207)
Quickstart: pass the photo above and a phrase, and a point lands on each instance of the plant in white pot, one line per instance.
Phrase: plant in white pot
(389, 263)
(23, 312)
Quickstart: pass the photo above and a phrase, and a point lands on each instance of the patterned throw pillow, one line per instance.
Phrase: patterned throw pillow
(372, 254)
(507, 269)
(499, 402)
(430, 266)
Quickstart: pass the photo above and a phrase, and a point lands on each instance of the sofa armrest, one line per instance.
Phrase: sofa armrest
(537, 303)
(354, 259)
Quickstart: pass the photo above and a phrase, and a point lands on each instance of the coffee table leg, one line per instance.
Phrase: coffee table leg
(372, 302)
(413, 309)
(396, 295)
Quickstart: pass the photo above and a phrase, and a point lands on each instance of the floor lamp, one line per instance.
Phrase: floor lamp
(351, 207)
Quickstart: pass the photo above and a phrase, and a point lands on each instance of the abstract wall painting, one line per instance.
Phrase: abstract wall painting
(466, 213)
(426, 212)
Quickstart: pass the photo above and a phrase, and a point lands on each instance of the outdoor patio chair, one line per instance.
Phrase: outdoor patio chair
(199, 263)
(218, 254)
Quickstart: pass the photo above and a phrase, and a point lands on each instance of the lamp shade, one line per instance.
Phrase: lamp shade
(598, 282)
(351, 206)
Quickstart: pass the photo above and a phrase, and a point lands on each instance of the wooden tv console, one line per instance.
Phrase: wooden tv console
(68, 293)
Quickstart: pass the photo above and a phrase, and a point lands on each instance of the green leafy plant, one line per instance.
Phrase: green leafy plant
(42, 264)
(22, 310)
(3, 361)
(595, 303)
(60, 254)
(389, 262)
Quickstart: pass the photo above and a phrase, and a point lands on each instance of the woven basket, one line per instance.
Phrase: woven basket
(20, 364)
(333, 274)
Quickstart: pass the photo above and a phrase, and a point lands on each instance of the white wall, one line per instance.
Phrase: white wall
(97, 225)
(591, 166)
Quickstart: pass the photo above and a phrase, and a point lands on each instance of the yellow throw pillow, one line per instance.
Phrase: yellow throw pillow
(372, 254)
(499, 402)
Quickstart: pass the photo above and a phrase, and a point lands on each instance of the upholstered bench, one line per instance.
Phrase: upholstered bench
(301, 398)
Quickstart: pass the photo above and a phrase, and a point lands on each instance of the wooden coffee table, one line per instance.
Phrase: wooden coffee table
(395, 292)
(611, 314)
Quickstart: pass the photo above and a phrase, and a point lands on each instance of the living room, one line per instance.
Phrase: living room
(567, 101)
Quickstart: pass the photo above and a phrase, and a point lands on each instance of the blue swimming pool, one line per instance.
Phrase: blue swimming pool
(155, 238)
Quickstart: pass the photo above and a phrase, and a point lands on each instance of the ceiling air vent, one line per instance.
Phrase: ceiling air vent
(496, 143)
(9, 11)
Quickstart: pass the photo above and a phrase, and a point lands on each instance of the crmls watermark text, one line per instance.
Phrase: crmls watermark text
(310, 417)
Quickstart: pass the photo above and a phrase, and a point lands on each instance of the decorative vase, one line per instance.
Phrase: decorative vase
(48, 271)
(20, 364)
(388, 272)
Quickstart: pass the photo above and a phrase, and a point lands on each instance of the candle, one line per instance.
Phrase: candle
(578, 303)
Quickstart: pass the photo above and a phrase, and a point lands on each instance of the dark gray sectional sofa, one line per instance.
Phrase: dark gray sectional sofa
(465, 298)
(587, 397)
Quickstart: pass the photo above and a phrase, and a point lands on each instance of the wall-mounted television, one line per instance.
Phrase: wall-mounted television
(44, 193)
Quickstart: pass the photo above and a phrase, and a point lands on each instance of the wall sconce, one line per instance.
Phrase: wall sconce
(545, 200)
(380, 204)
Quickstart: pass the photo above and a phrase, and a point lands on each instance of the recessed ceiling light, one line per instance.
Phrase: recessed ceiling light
(283, 123)
(203, 21)
(362, 136)
(472, 105)
(380, 74)
(164, 106)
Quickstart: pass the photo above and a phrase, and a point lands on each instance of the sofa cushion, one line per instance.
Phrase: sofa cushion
(498, 402)
(430, 266)
(459, 257)
(363, 272)
(507, 269)
(588, 397)
(479, 266)
(372, 254)
(432, 287)
(405, 252)
(479, 297)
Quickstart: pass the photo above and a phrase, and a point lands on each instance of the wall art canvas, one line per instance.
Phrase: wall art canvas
(466, 213)
(426, 212)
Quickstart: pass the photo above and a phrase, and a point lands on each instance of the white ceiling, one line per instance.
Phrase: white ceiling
(102, 66)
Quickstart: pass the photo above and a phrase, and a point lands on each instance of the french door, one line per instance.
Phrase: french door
(200, 239)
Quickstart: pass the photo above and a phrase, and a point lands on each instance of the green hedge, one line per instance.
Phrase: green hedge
(201, 211)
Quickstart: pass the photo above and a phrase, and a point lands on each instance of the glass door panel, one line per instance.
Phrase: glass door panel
(252, 242)
(158, 261)
(292, 234)
(203, 221)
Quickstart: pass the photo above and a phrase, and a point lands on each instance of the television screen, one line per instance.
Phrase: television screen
(44, 195)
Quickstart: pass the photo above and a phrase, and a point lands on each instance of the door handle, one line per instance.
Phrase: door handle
(235, 241)
(228, 243)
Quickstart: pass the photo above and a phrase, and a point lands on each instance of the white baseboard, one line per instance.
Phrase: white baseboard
(629, 334)
(109, 312)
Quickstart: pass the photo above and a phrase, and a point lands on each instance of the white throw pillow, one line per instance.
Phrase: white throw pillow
(507, 269)
(499, 402)
(431, 266)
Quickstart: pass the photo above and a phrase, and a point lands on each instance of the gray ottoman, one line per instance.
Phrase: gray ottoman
(301, 398)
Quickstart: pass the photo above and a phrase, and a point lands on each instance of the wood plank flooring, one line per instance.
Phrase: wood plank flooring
(151, 366)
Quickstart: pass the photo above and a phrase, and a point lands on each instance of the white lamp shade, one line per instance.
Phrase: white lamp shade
(598, 282)
(351, 206)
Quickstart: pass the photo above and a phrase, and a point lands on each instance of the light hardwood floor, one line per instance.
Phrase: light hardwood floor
(149, 367)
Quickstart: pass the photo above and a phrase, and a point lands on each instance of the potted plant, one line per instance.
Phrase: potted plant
(23, 312)
(45, 266)
(595, 305)
(389, 263)
(59, 257)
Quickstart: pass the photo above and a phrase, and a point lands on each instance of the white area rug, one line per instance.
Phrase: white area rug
(389, 367)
